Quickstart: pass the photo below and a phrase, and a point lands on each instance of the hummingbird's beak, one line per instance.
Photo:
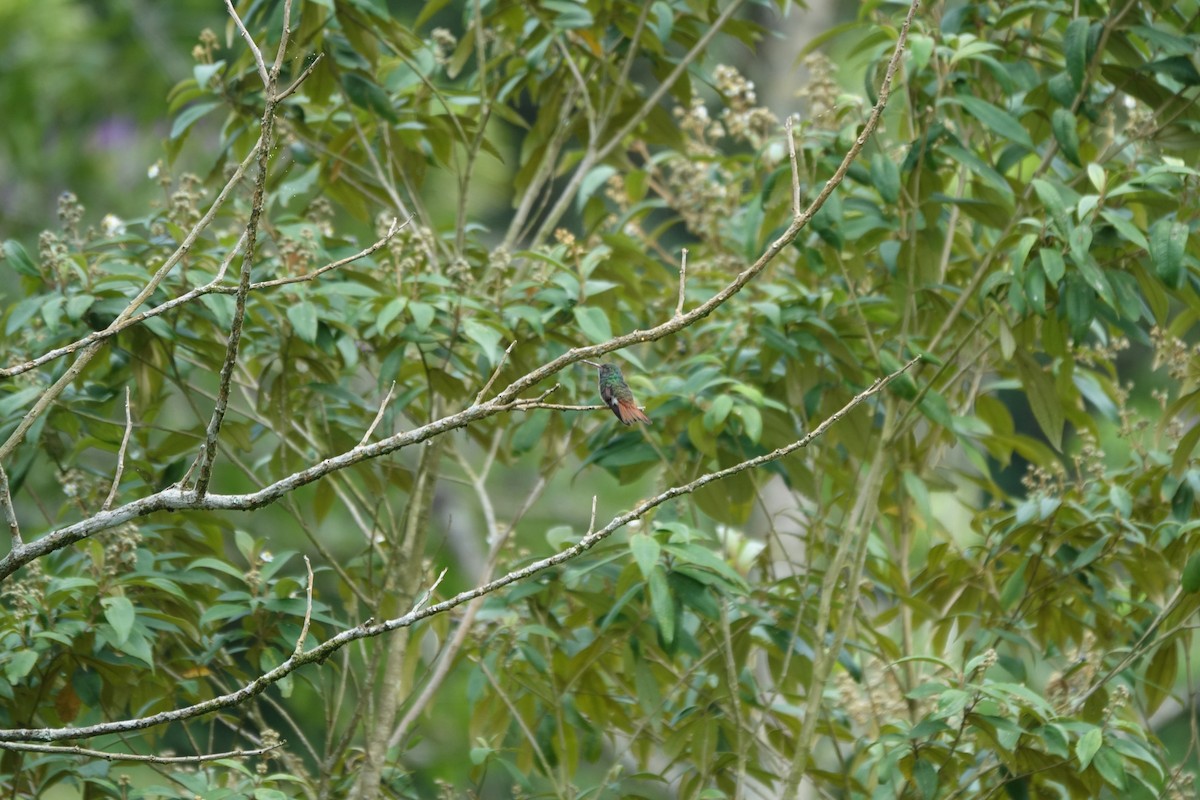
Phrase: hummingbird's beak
(590, 363)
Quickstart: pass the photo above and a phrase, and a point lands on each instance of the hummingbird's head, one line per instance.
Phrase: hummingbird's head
(609, 371)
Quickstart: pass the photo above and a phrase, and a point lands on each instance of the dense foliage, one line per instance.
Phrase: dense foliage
(979, 583)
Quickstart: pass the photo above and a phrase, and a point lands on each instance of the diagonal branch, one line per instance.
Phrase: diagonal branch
(330, 646)
(174, 499)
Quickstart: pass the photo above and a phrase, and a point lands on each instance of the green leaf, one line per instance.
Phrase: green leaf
(389, 312)
(594, 323)
(189, 117)
(926, 777)
(1062, 121)
(1167, 242)
(1053, 265)
(1014, 587)
(422, 314)
(1125, 228)
(78, 305)
(203, 73)
(885, 175)
(16, 255)
(19, 665)
(303, 316)
(120, 614)
(369, 95)
(1075, 44)
(1160, 674)
(995, 119)
(1191, 574)
(752, 422)
(591, 182)
(714, 417)
(1043, 398)
(487, 337)
(1110, 767)
(569, 14)
(661, 604)
(646, 551)
(1052, 200)
(1088, 744)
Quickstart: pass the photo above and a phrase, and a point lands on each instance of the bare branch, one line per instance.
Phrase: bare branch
(369, 629)
(495, 373)
(258, 56)
(307, 611)
(174, 499)
(424, 598)
(592, 523)
(285, 34)
(308, 276)
(10, 513)
(50, 395)
(208, 455)
(112, 493)
(114, 329)
(791, 142)
(290, 90)
(378, 415)
(683, 276)
(84, 751)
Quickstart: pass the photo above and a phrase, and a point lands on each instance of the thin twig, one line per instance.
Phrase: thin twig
(258, 56)
(308, 276)
(378, 415)
(424, 598)
(290, 90)
(369, 629)
(495, 372)
(208, 455)
(128, 322)
(174, 499)
(791, 141)
(307, 611)
(284, 35)
(84, 751)
(592, 523)
(10, 513)
(683, 279)
(112, 493)
(50, 395)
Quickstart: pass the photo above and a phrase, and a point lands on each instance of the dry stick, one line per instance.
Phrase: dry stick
(112, 493)
(175, 499)
(208, 451)
(258, 56)
(83, 751)
(327, 648)
(684, 252)
(378, 415)
(495, 373)
(307, 611)
(10, 513)
(393, 229)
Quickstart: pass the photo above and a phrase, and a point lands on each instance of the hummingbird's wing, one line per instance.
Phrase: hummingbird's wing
(625, 409)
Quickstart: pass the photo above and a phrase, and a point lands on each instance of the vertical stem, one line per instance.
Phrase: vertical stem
(401, 582)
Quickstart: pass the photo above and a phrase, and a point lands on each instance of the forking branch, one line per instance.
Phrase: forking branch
(508, 399)
(328, 647)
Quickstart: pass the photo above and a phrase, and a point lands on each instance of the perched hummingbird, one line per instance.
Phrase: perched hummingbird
(616, 395)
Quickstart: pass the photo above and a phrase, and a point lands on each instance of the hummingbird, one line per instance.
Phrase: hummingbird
(614, 391)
